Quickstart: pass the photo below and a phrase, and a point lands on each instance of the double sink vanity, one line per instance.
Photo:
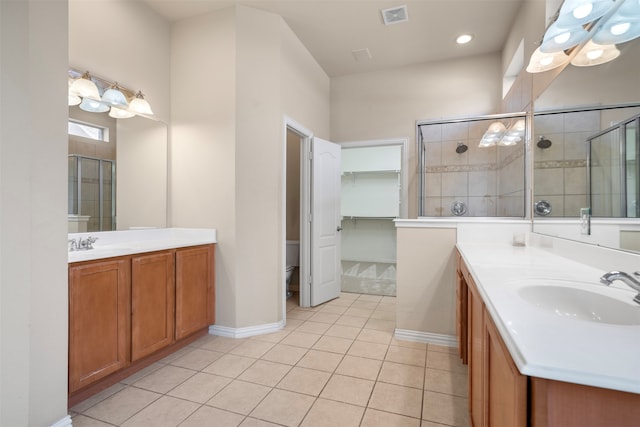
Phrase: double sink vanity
(135, 296)
(547, 344)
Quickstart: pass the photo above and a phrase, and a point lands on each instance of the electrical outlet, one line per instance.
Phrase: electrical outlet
(585, 221)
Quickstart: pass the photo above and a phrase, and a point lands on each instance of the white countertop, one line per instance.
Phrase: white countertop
(541, 343)
(127, 242)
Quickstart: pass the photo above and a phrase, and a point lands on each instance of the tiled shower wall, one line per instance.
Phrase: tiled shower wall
(490, 180)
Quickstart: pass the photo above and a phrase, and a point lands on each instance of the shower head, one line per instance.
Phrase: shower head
(461, 148)
(543, 143)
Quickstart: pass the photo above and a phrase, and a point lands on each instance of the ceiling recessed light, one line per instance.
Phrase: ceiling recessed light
(464, 38)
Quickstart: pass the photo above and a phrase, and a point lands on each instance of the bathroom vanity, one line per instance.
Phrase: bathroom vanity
(136, 297)
(533, 359)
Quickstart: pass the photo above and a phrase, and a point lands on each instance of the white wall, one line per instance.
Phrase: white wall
(33, 219)
(228, 146)
(386, 104)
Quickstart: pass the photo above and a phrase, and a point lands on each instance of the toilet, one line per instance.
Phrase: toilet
(292, 261)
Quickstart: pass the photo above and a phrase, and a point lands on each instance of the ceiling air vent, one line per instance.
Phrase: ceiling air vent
(395, 15)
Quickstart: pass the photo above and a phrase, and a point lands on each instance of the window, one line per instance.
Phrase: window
(86, 130)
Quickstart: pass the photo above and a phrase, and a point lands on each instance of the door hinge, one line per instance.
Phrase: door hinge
(310, 219)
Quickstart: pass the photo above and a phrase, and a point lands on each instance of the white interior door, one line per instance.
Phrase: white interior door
(325, 221)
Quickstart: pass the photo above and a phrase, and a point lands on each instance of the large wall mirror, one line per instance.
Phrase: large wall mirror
(117, 172)
(581, 152)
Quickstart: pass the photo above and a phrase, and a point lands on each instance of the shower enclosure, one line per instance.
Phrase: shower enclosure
(92, 191)
(614, 187)
(472, 167)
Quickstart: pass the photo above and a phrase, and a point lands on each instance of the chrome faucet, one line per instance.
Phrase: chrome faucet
(81, 244)
(610, 277)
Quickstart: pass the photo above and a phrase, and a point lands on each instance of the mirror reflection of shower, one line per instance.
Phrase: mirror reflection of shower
(543, 142)
(613, 168)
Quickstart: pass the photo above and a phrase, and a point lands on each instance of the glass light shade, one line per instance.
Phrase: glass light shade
(595, 54)
(119, 113)
(509, 140)
(113, 96)
(85, 88)
(495, 128)
(579, 12)
(557, 38)
(139, 105)
(74, 99)
(487, 142)
(541, 62)
(618, 29)
(93, 106)
(518, 126)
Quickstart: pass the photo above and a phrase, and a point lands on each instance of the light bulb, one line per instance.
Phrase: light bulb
(621, 28)
(547, 60)
(595, 54)
(583, 10)
(562, 38)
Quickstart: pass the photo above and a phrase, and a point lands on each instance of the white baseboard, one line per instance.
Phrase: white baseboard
(249, 331)
(65, 422)
(426, 337)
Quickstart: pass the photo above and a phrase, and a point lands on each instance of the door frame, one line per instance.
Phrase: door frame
(306, 136)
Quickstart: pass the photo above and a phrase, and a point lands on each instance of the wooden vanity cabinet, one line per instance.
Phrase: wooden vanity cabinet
(152, 303)
(195, 295)
(99, 328)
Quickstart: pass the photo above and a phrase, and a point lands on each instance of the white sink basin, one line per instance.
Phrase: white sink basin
(572, 302)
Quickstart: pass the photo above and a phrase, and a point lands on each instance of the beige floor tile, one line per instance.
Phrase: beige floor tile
(364, 305)
(265, 373)
(122, 405)
(143, 373)
(368, 349)
(340, 302)
(208, 416)
(445, 361)
(359, 367)
(400, 374)
(164, 379)
(383, 315)
(320, 360)
(283, 407)
(223, 344)
(200, 387)
(166, 411)
(97, 398)
(443, 349)
(386, 307)
(334, 309)
(370, 298)
(349, 296)
(300, 314)
(375, 418)
(300, 339)
(282, 353)
(306, 381)
(381, 325)
(177, 354)
(358, 312)
(329, 413)
(447, 382)
(252, 348)
(274, 337)
(409, 344)
(388, 299)
(229, 365)
(445, 409)
(333, 344)
(348, 390)
(354, 321)
(254, 422)
(311, 327)
(239, 396)
(197, 359)
(397, 399)
(82, 421)
(292, 323)
(409, 356)
(371, 335)
(343, 331)
(324, 317)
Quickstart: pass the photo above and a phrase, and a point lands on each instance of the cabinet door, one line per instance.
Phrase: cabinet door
(461, 316)
(152, 303)
(195, 293)
(475, 346)
(99, 337)
(506, 388)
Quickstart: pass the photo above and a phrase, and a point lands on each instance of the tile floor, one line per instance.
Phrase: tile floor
(333, 365)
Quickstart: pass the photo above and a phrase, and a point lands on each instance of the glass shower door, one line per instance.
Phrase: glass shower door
(92, 191)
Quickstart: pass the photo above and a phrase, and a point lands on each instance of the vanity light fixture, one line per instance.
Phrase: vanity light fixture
(120, 102)
(581, 24)
(498, 134)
